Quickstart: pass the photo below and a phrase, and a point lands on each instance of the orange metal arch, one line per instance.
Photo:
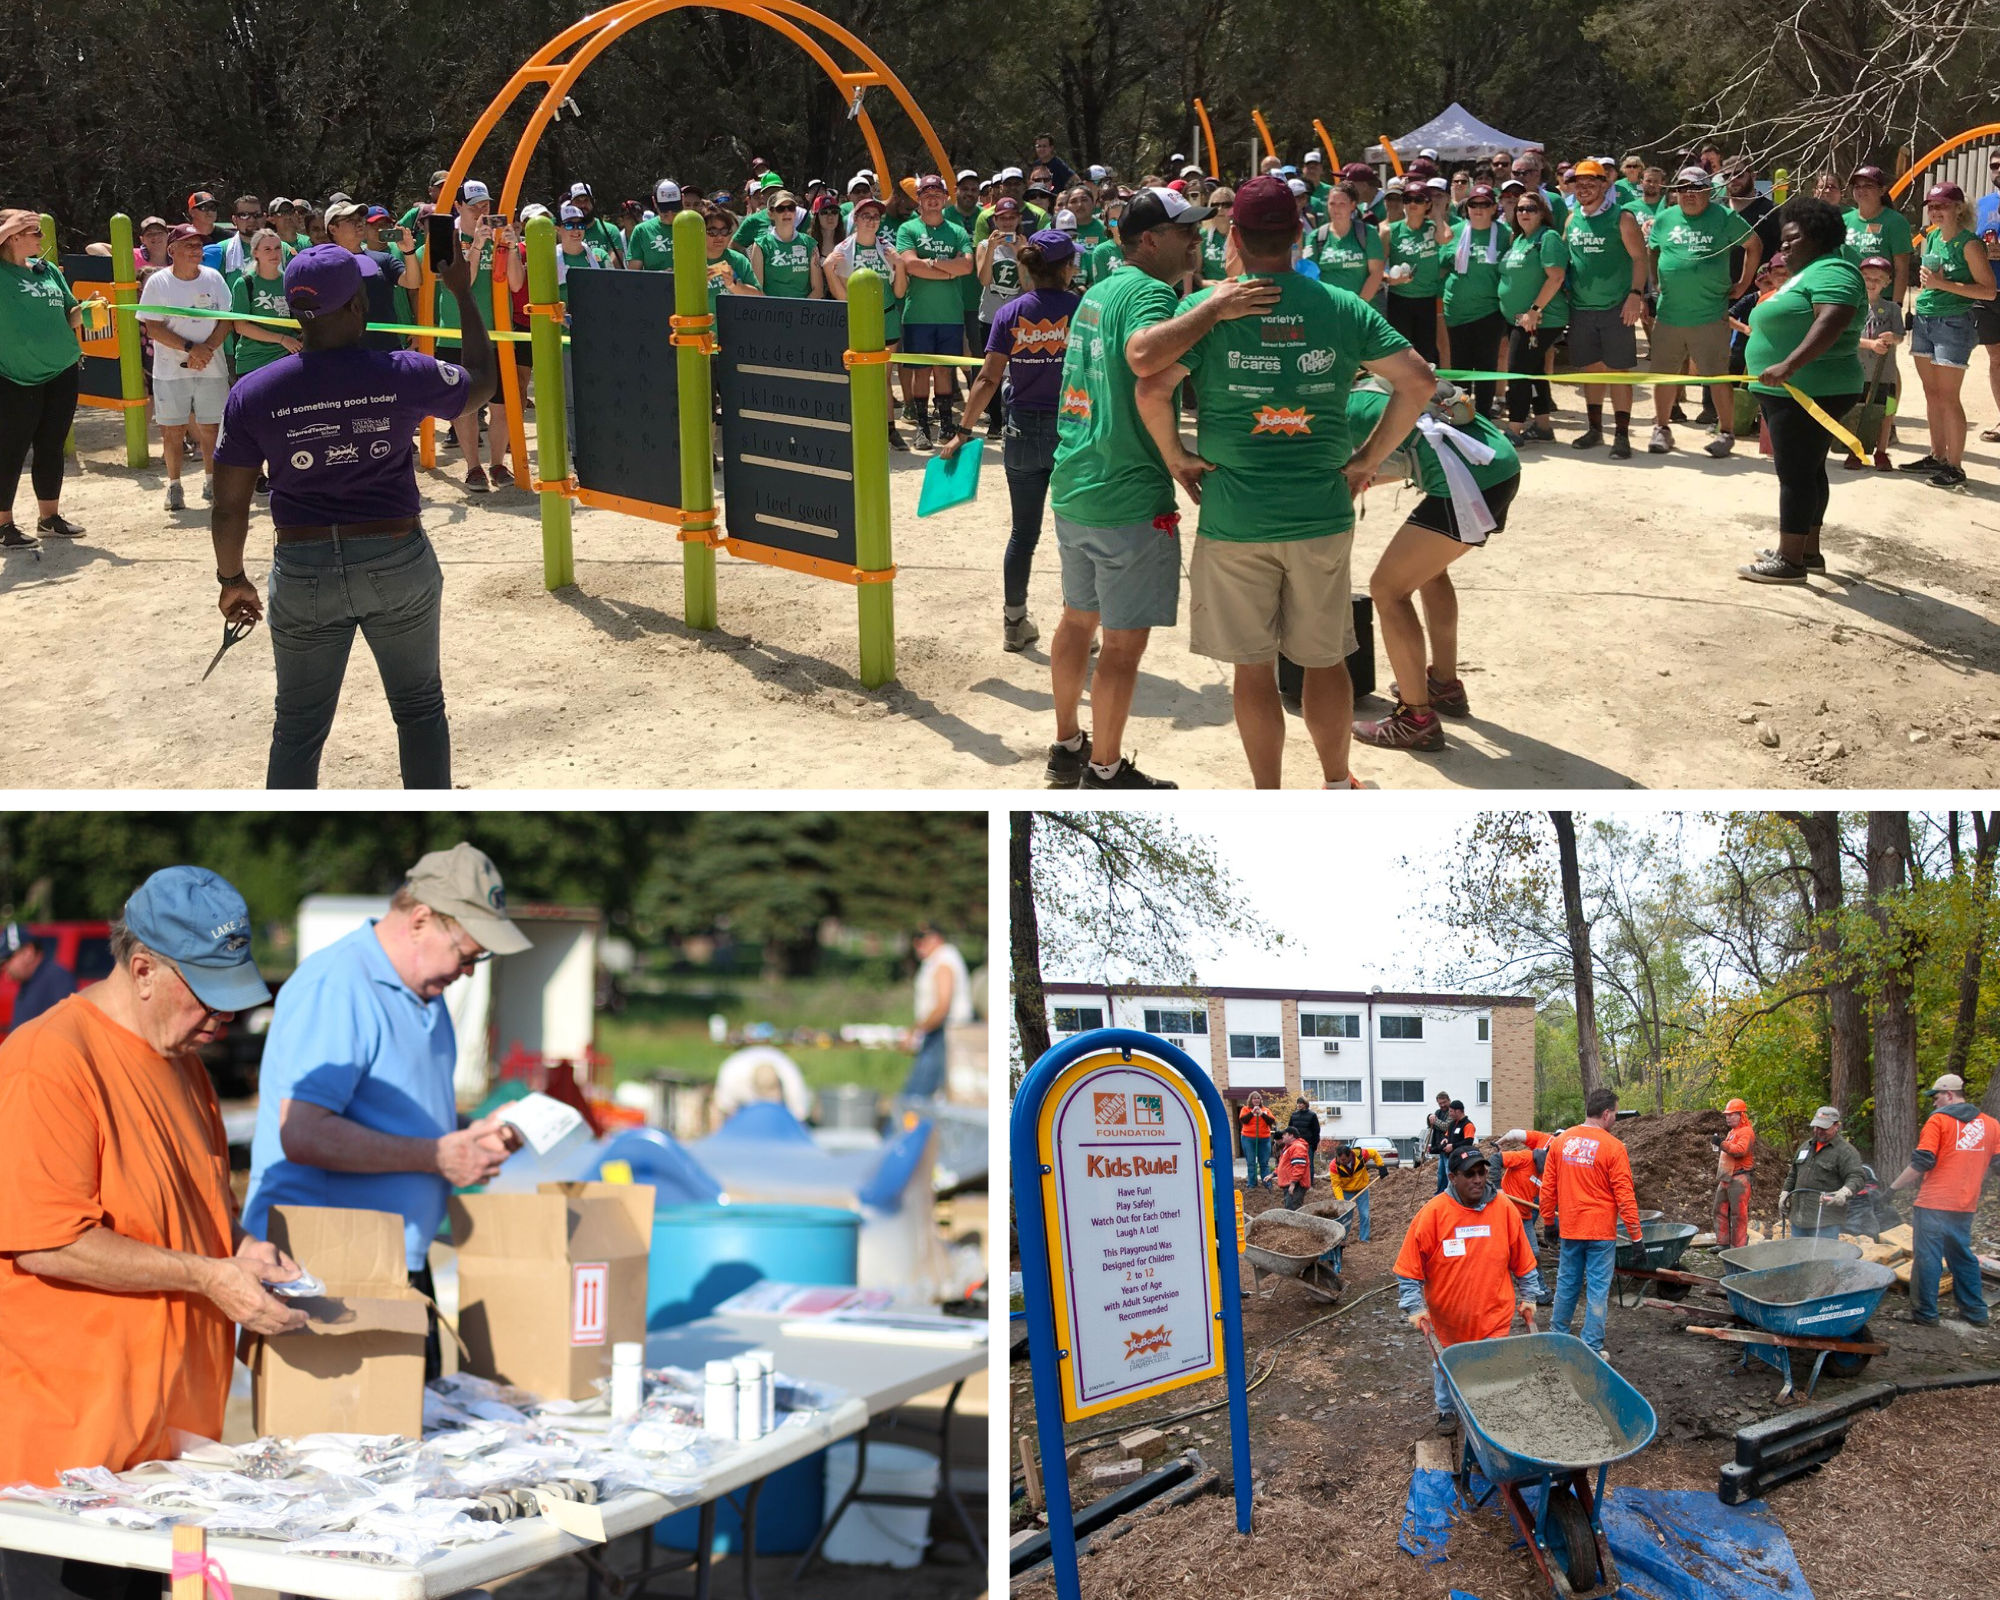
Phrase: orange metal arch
(1984, 131)
(558, 72)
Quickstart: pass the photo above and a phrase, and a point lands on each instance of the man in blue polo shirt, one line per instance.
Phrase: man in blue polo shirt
(355, 1105)
(40, 980)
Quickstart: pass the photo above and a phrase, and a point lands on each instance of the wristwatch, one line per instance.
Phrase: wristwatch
(962, 431)
(226, 582)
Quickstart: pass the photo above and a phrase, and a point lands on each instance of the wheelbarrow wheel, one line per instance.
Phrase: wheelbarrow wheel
(1572, 1541)
(1845, 1364)
(1673, 1291)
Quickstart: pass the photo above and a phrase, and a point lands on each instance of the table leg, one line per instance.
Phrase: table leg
(705, 1553)
(839, 1511)
(944, 1476)
(750, 1540)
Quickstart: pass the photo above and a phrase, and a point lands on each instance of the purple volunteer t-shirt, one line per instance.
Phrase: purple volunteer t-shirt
(332, 428)
(1032, 332)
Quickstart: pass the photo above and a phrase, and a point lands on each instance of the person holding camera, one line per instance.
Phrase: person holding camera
(480, 235)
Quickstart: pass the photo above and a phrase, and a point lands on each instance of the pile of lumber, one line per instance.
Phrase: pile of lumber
(1894, 1248)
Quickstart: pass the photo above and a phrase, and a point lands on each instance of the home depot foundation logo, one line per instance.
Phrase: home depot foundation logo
(1076, 403)
(1148, 1342)
(1035, 338)
(1110, 1109)
(1282, 419)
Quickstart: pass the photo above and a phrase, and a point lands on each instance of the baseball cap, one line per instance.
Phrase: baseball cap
(1055, 245)
(572, 216)
(1162, 208)
(440, 178)
(1873, 175)
(770, 180)
(1099, 174)
(666, 193)
(532, 210)
(1427, 155)
(463, 884)
(13, 936)
(1951, 1082)
(178, 234)
(1357, 172)
(146, 224)
(1190, 171)
(1826, 1117)
(580, 191)
(472, 189)
(1437, 185)
(967, 172)
(869, 204)
(341, 212)
(1264, 204)
(1179, 186)
(1945, 194)
(321, 278)
(1481, 191)
(339, 197)
(1588, 168)
(1175, 159)
(201, 197)
(1513, 186)
(1007, 204)
(1693, 178)
(1009, 172)
(1288, 172)
(1880, 263)
(202, 925)
(1298, 186)
(860, 180)
(1310, 157)
(376, 214)
(930, 180)
(1465, 1157)
(1065, 222)
(1393, 186)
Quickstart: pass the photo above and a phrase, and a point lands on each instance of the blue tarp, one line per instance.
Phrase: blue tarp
(1670, 1544)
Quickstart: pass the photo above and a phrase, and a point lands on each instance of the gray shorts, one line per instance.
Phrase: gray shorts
(1130, 575)
(1596, 336)
(200, 394)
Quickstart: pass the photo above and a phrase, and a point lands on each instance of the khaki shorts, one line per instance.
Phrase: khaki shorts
(1251, 601)
(1707, 346)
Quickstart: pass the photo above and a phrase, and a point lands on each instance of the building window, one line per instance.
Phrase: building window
(1330, 1024)
(1485, 1029)
(1402, 1091)
(1177, 1021)
(1347, 1089)
(1402, 1027)
(1078, 1019)
(1485, 1092)
(1256, 1047)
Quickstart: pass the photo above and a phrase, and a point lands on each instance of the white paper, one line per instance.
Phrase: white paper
(544, 1122)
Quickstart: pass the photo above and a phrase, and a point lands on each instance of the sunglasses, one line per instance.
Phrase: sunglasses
(784, 211)
(1527, 211)
(246, 216)
(209, 207)
(718, 233)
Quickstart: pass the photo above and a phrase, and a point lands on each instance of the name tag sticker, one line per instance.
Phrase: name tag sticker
(1453, 1247)
(1475, 1230)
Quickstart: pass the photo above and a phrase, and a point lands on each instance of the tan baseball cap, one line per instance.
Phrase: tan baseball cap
(1826, 1117)
(463, 884)
(1950, 1083)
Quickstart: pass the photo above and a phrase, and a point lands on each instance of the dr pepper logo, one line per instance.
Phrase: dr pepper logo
(1110, 1108)
(1148, 1341)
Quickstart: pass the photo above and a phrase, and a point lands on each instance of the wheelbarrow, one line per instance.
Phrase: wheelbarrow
(1509, 1393)
(1314, 1273)
(1653, 1257)
(1787, 1252)
(1818, 1306)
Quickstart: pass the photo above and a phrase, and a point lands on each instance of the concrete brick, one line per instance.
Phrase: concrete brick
(1118, 1472)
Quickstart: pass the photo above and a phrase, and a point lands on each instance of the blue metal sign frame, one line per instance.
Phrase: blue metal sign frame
(1044, 1351)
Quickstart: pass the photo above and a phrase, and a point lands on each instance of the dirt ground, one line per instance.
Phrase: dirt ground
(1334, 1424)
(1606, 639)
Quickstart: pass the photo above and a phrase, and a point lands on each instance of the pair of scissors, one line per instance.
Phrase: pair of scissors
(234, 631)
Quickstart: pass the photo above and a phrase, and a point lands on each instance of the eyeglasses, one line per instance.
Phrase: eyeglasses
(208, 1012)
(208, 206)
(1527, 211)
(473, 959)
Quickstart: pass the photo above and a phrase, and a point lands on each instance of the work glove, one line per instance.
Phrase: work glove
(1785, 1204)
(1516, 1133)
(1715, 1141)
(1551, 1235)
(1526, 1308)
(1421, 1321)
(1840, 1196)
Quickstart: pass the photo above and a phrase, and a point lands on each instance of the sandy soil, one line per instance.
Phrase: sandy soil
(1608, 643)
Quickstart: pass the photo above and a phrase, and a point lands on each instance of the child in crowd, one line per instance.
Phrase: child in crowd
(1881, 332)
(1294, 1171)
(1771, 278)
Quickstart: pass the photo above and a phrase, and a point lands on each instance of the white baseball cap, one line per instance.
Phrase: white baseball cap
(1099, 174)
(860, 180)
(666, 193)
(1298, 186)
(472, 189)
(580, 191)
(1190, 171)
(1310, 157)
(1011, 172)
(967, 172)
(1066, 221)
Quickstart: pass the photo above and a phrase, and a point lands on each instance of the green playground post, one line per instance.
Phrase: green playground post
(551, 419)
(691, 367)
(54, 258)
(131, 362)
(868, 406)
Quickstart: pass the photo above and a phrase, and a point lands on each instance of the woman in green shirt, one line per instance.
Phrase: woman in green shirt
(1413, 247)
(1806, 336)
(260, 291)
(1537, 310)
(783, 260)
(1956, 275)
(1214, 234)
(39, 361)
(1472, 320)
(1347, 251)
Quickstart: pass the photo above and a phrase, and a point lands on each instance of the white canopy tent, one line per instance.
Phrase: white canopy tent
(1455, 134)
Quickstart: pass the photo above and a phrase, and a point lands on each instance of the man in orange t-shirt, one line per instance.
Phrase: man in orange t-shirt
(122, 1268)
(1586, 1193)
(1465, 1268)
(1954, 1158)
(1732, 1177)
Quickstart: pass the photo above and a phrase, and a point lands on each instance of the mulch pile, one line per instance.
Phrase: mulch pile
(1673, 1165)
(1275, 1231)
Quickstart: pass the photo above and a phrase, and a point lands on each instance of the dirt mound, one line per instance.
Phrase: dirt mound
(1276, 1231)
(1673, 1165)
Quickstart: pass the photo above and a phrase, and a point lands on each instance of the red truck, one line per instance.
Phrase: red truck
(83, 947)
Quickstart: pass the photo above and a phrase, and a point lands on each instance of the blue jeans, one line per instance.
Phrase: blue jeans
(1584, 1268)
(1257, 1160)
(1361, 1215)
(391, 590)
(1028, 451)
(926, 1067)
(1443, 1173)
(1441, 1391)
(1944, 1238)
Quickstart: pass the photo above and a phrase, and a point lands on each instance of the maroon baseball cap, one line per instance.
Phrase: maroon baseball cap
(1482, 191)
(1357, 172)
(930, 180)
(1008, 204)
(1945, 194)
(183, 231)
(1873, 175)
(1265, 204)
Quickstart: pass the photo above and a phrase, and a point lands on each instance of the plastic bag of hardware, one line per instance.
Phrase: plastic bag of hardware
(381, 1549)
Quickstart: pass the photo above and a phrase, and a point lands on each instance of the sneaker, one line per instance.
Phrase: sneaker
(1535, 433)
(12, 537)
(1720, 445)
(1403, 729)
(475, 480)
(501, 478)
(1066, 766)
(58, 526)
(1855, 463)
(1677, 414)
(1447, 1423)
(1772, 569)
(1621, 447)
(263, 486)
(1017, 633)
(1448, 699)
(1812, 560)
(1662, 442)
(1589, 439)
(1883, 463)
(207, 488)
(1705, 417)
(176, 501)
(896, 439)
(1947, 477)
(926, 440)
(1924, 463)
(1127, 776)
(996, 428)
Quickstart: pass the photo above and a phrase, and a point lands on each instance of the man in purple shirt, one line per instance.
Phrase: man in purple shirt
(332, 427)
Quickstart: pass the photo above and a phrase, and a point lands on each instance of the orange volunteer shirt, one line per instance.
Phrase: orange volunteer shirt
(1256, 1123)
(1736, 1148)
(1467, 1262)
(1518, 1181)
(1587, 1184)
(1294, 1166)
(1963, 1150)
(99, 1129)
(1536, 1138)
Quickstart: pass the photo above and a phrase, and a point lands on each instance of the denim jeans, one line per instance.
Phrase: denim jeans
(1940, 1239)
(1257, 1159)
(1443, 1172)
(1028, 452)
(1441, 1391)
(1584, 1268)
(390, 589)
(926, 1067)
(1361, 1215)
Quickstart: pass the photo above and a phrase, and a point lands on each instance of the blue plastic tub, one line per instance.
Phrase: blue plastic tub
(704, 1254)
(789, 1512)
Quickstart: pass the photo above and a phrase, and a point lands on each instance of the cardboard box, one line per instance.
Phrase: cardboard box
(549, 1282)
(358, 1366)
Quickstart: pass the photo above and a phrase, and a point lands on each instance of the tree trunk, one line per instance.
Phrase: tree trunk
(1846, 1024)
(1986, 842)
(1031, 1013)
(1895, 1023)
(1589, 1063)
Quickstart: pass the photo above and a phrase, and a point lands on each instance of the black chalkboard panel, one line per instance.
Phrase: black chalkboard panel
(622, 366)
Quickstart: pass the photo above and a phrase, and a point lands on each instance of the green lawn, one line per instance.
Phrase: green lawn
(669, 1031)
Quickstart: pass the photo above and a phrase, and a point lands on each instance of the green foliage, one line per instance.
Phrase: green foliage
(669, 1031)
(1558, 1076)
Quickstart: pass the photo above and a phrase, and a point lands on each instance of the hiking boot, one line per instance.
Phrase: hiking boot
(1662, 441)
(1066, 766)
(176, 501)
(1017, 633)
(1772, 569)
(1720, 445)
(1589, 439)
(1812, 560)
(12, 537)
(1447, 1424)
(1447, 699)
(1621, 446)
(475, 481)
(1125, 776)
(1924, 463)
(59, 527)
(1403, 729)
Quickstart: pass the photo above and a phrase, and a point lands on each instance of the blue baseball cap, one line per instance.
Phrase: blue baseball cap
(12, 937)
(320, 278)
(201, 924)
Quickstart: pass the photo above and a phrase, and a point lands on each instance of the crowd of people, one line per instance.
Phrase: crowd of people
(1300, 316)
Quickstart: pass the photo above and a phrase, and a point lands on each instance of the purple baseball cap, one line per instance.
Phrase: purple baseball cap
(321, 278)
(1055, 245)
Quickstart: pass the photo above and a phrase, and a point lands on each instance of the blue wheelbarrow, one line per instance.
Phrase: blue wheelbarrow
(1542, 1410)
(1821, 1306)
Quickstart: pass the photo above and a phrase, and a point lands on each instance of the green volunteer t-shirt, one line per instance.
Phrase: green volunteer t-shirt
(1475, 292)
(1887, 233)
(1946, 256)
(261, 297)
(1108, 472)
(1364, 411)
(753, 224)
(445, 305)
(1342, 261)
(1091, 234)
(1523, 271)
(1214, 253)
(1417, 249)
(1106, 259)
(1559, 206)
(1780, 322)
(731, 267)
(603, 237)
(870, 256)
(652, 244)
(969, 285)
(1600, 267)
(933, 301)
(787, 266)
(1694, 263)
(36, 341)
(1271, 396)
(1626, 190)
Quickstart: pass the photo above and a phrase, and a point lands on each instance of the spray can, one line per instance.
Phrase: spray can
(767, 1365)
(628, 1380)
(749, 1398)
(718, 1399)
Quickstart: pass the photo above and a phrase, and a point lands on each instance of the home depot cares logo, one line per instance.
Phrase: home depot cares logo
(1281, 419)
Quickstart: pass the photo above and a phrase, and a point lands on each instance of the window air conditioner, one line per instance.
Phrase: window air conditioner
(1331, 1047)
(1332, 1111)
(1178, 1044)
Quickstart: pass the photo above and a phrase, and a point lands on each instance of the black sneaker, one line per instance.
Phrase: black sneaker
(1128, 776)
(1812, 560)
(1621, 447)
(263, 485)
(1066, 766)
(1772, 569)
(1947, 477)
(1589, 439)
(996, 428)
(13, 538)
(1924, 463)
(59, 527)
(896, 439)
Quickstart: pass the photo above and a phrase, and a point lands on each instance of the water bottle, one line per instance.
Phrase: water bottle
(718, 1399)
(628, 1380)
(749, 1398)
